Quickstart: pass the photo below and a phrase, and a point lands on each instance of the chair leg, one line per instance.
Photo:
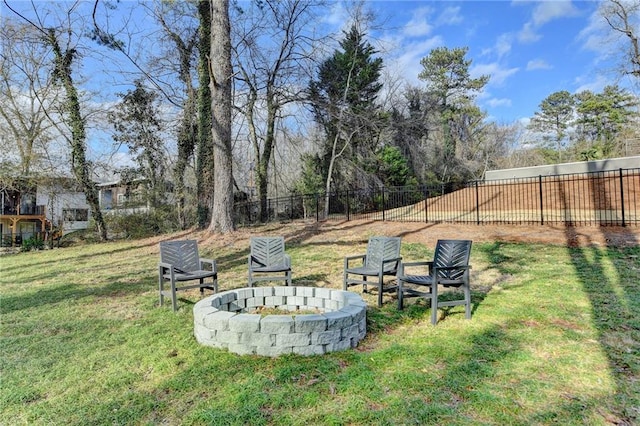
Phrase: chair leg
(173, 296)
(434, 303)
(400, 301)
(161, 287)
(202, 287)
(467, 301)
(288, 277)
(380, 286)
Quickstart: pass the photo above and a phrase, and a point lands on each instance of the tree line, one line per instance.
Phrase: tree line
(229, 101)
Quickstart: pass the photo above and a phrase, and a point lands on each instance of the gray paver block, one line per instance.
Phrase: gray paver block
(340, 346)
(263, 291)
(227, 296)
(293, 339)
(326, 337)
(323, 293)
(273, 351)
(355, 311)
(315, 302)
(309, 350)
(274, 301)
(218, 320)
(258, 339)
(228, 337)
(310, 323)
(237, 305)
(338, 319)
(245, 323)
(242, 349)
(350, 332)
(254, 302)
(285, 291)
(277, 324)
(304, 291)
(296, 300)
(244, 293)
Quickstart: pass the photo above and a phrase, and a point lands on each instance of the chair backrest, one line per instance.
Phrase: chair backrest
(268, 251)
(182, 254)
(383, 248)
(452, 253)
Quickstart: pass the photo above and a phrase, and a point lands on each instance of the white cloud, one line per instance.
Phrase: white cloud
(419, 25)
(408, 63)
(503, 44)
(450, 16)
(498, 75)
(596, 36)
(547, 11)
(538, 64)
(594, 84)
(543, 13)
(337, 15)
(528, 34)
(495, 102)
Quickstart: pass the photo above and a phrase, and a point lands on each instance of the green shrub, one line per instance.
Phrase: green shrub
(33, 243)
(141, 225)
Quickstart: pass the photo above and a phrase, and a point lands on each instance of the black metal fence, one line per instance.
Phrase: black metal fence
(609, 198)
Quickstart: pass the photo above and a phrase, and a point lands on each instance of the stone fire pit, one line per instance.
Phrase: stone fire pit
(230, 320)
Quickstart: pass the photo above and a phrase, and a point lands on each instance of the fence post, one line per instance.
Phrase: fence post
(622, 197)
(317, 208)
(477, 205)
(383, 214)
(541, 208)
(348, 209)
(426, 205)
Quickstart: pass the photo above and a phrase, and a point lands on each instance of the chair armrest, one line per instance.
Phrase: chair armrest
(348, 259)
(253, 261)
(403, 265)
(287, 260)
(212, 264)
(167, 267)
(395, 260)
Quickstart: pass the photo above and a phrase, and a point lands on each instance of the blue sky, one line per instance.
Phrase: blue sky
(530, 49)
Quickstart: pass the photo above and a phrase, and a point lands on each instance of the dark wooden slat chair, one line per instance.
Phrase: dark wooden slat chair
(268, 260)
(180, 262)
(449, 268)
(382, 258)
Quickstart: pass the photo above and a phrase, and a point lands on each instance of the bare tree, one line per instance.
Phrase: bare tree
(26, 93)
(273, 45)
(180, 57)
(623, 16)
(63, 43)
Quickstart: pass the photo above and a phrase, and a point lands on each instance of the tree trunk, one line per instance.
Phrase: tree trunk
(62, 71)
(220, 84)
(205, 165)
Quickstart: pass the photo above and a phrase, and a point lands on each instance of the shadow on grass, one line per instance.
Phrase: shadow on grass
(65, 292)
(615, 306)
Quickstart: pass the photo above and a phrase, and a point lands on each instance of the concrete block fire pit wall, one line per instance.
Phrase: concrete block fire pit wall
(230, 320)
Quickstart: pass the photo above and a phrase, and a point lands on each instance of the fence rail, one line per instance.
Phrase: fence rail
(606, 198)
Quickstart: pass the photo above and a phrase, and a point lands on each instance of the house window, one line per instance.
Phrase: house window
(75, 215)
(122, 198)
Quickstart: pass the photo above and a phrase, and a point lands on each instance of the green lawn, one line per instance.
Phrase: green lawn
(554, 339)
